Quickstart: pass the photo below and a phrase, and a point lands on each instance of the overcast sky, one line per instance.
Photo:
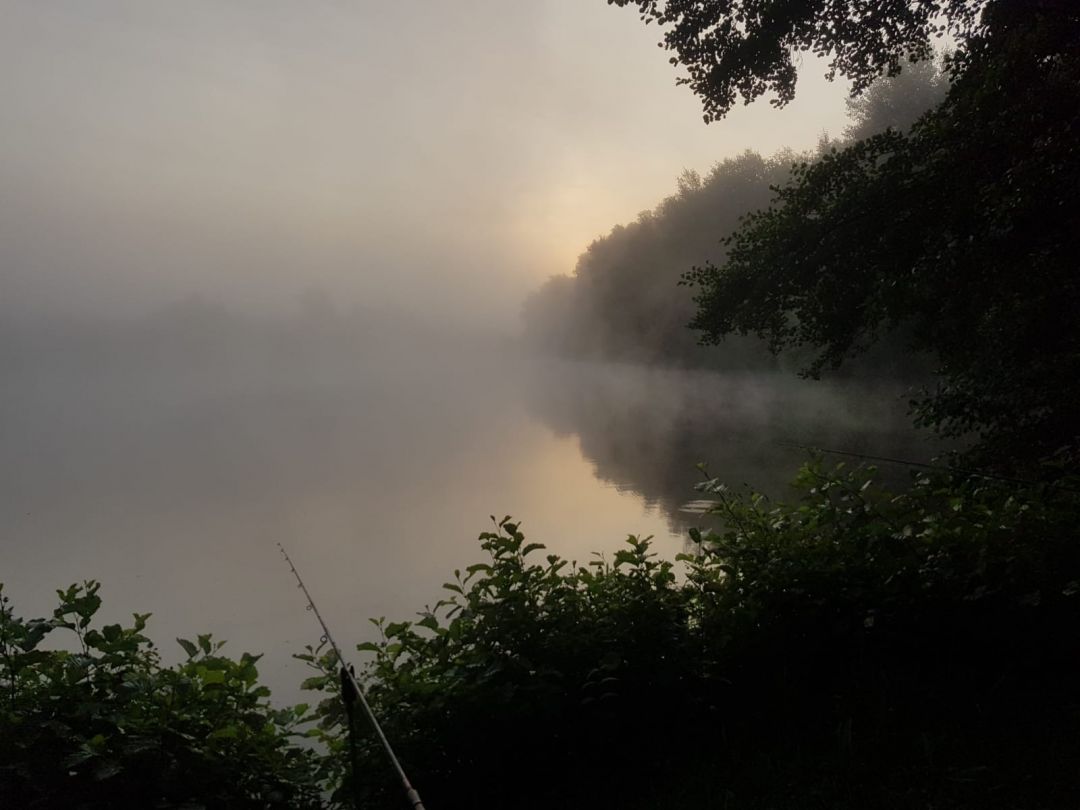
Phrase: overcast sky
(440, 156)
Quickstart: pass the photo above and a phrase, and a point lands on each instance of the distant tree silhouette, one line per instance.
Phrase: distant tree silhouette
(896, 102)
(623, 301)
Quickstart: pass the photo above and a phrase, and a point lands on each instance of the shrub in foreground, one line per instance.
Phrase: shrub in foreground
(105, 725)
(853, 649)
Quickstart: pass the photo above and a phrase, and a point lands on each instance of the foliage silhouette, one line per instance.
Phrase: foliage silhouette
(749, 48)
(856, 648)
(106, 725)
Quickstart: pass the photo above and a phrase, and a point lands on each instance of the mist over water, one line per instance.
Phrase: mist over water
(167, 456)
(258, 270)
(646, 429)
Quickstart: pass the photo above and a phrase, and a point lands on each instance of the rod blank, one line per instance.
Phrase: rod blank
(410, 791)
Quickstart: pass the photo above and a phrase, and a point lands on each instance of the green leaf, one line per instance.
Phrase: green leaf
(189, 648)
(430, 622)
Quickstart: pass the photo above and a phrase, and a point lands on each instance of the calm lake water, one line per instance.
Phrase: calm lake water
(171, 481)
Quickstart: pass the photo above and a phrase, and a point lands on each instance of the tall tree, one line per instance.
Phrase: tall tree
(964, 232)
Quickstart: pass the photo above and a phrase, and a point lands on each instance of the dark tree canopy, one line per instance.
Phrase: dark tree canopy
(965, 231)
(732, 49)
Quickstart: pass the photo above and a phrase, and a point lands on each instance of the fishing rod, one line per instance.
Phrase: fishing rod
(923, 465)
(349, 678)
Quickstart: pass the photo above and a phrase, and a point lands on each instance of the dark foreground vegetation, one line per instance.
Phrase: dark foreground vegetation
(101, 722)
(856, 649)
(853, 649)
